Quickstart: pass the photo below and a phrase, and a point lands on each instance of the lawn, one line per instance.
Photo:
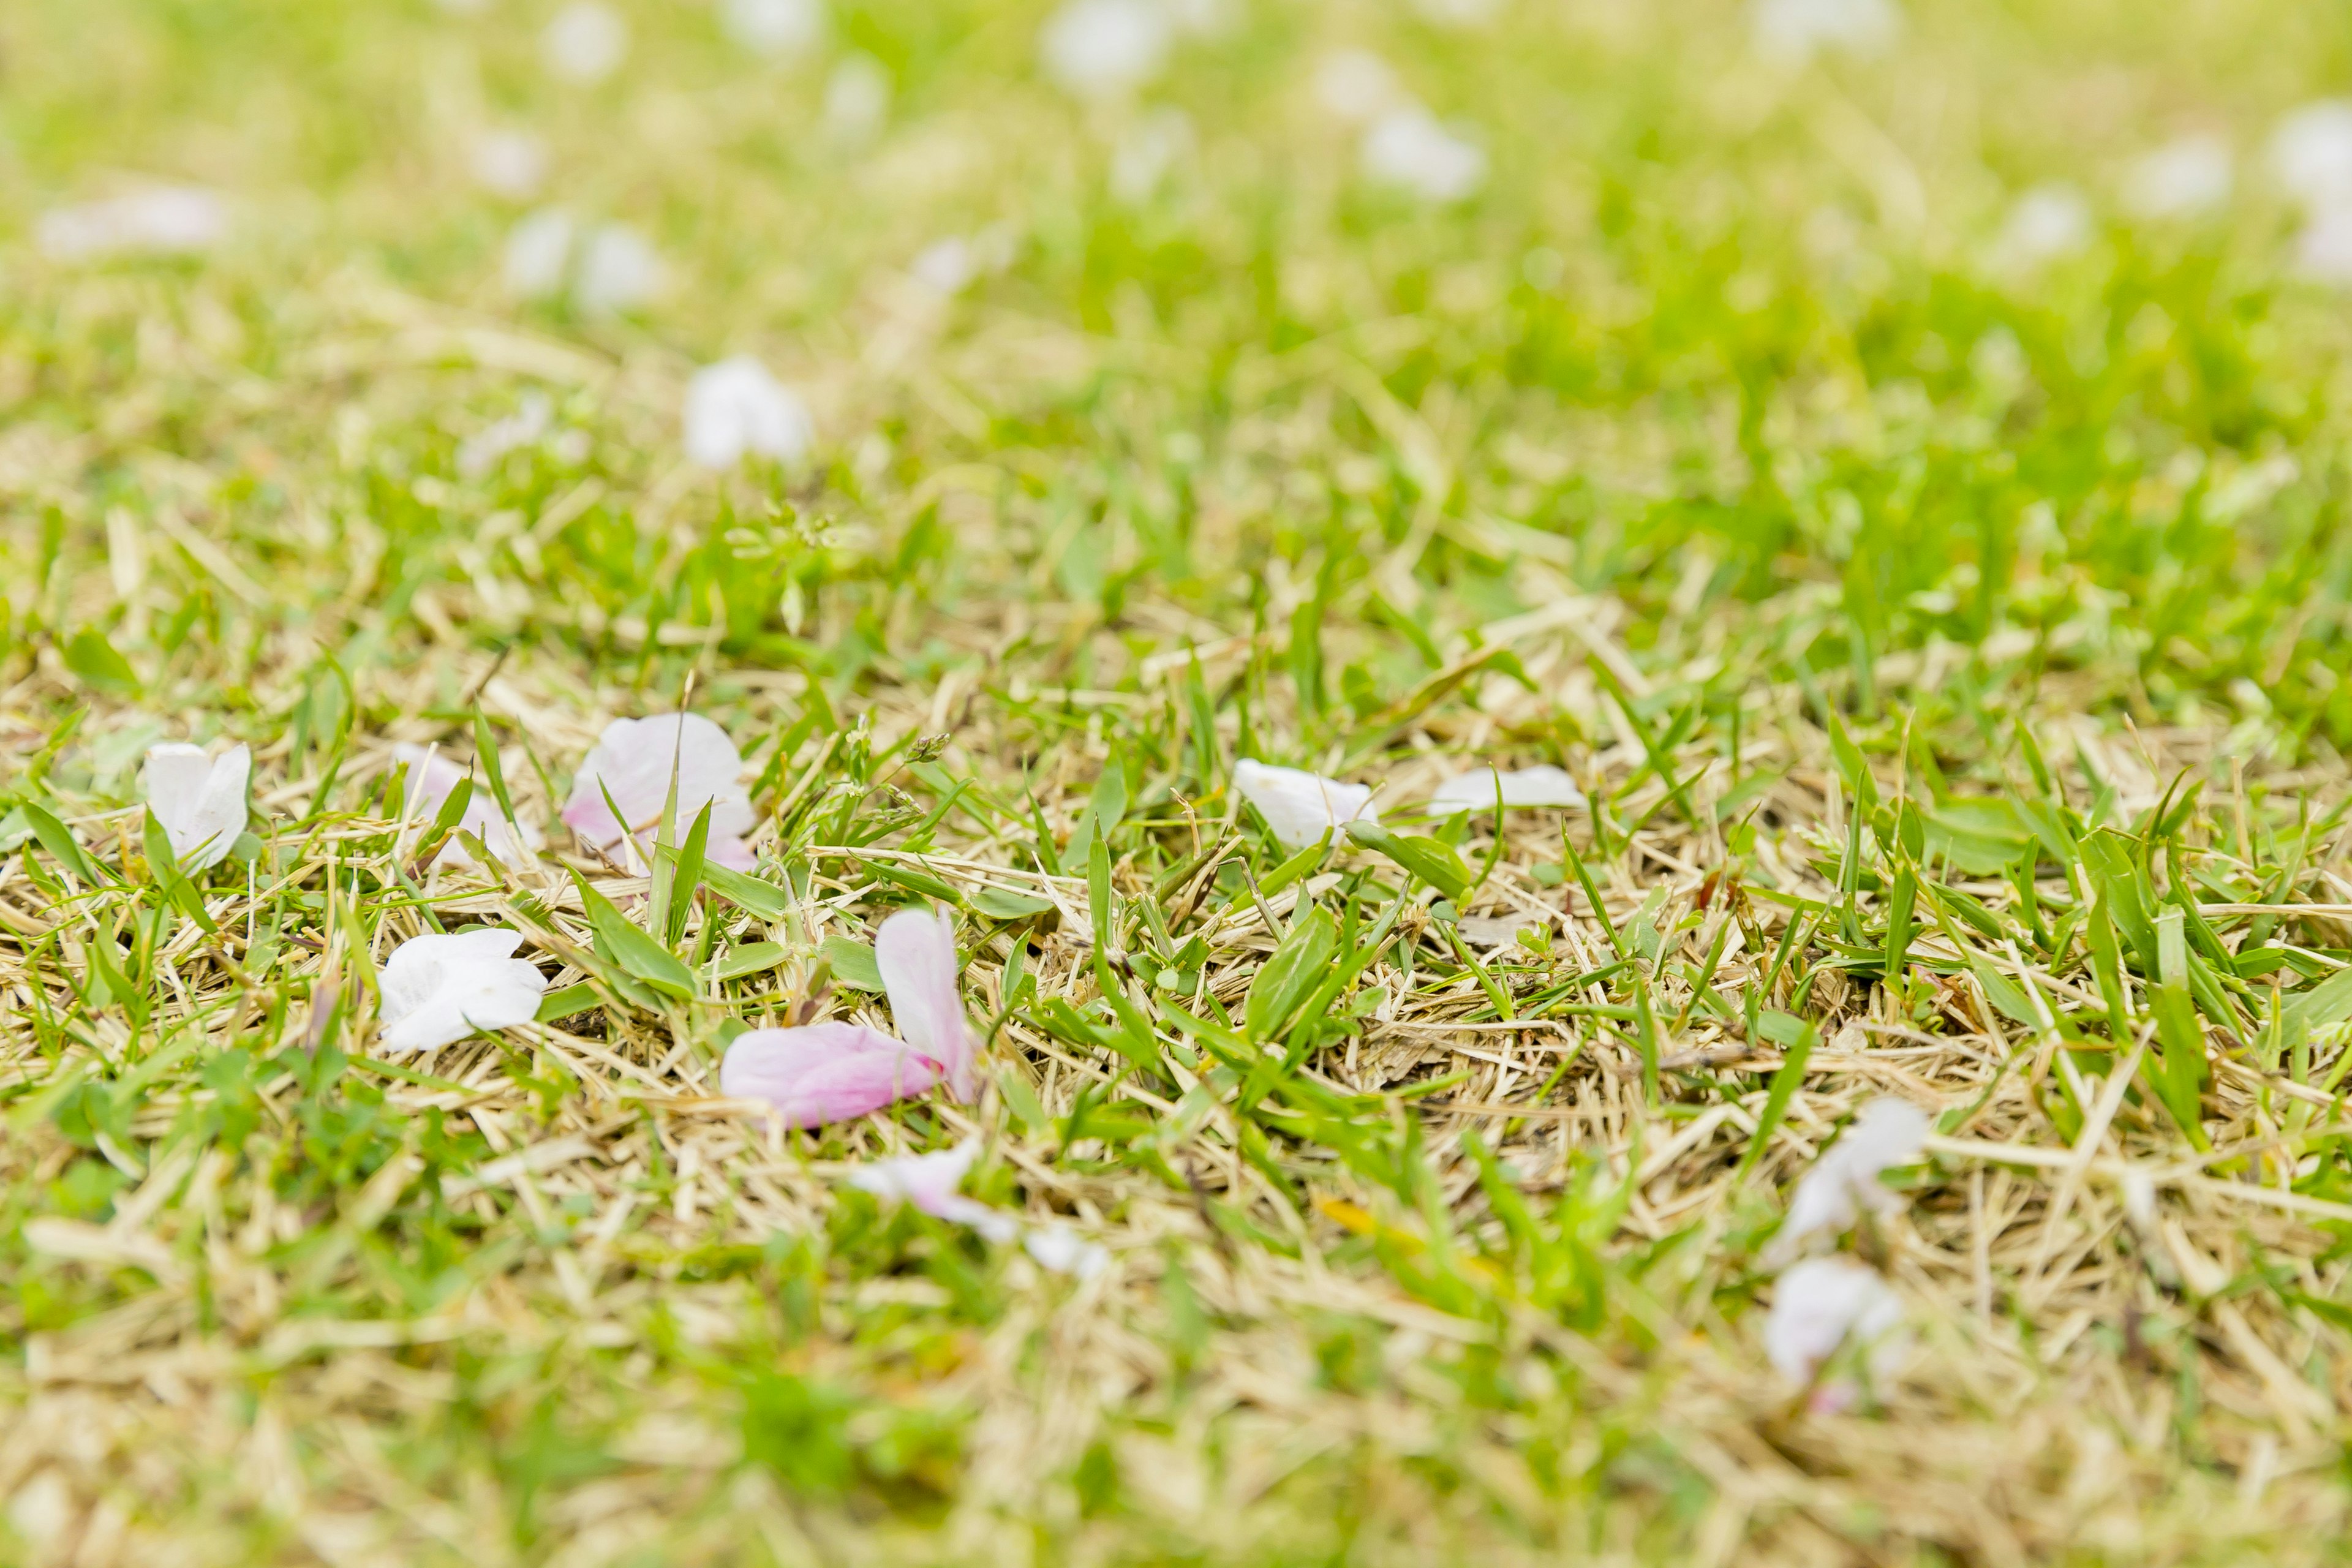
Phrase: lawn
(1488, 781)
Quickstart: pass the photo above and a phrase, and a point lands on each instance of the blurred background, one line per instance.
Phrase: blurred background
(1917, 321)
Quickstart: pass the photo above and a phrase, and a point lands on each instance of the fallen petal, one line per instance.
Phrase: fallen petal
(823, 1072)
(1538, 786)
(1064, 1251)
(2311, 154)
(1104, 50)
(1299, 808)
(619, 271)
(1410, 148)
(1845, 1181)
(774, 27)
(440, 988)
(431, 777)
(199, 801)
(1794, 31)
(915, 951)
(585, 42)
(632, 761)
(735, 409)
(930, 1181)
(1822, 1302)
(158, 220)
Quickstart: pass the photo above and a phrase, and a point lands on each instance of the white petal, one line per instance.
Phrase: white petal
(774, 27)
(1888, 1133)
(1299, 808)
(1794, 31)
(200, 803)
(439, 988)
(539, 253)
(918, 1178)
(2181, 179)
(1147, 152)
(1064, 1251)
(1106, 48)
(586, 42)
(2311, 152)
(1500, 930)
(1409, 148)
(2047, 223)
(156, 220)
(619, 271)
(1818, 1304)
(480, 452)
(1845, 1181)
(945, 267)
(2323, 251)
(735, 409)
(1536, 786)
(1355, 84)
(930, 1182)
(510, 163)
(176, 773)
(856, 99)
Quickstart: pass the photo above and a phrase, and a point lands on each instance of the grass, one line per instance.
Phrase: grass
(1954, 655)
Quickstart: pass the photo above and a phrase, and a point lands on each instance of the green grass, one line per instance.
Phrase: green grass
(1955, 657)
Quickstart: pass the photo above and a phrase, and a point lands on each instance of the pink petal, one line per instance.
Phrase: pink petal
(823, 1072)
(431, 777)
(632, 762)
(731, 852)
(930, 1181)
(927, 1181)
(915, 951)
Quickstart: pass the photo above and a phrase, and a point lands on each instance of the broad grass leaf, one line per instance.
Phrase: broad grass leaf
(1298, 965)
(853, 963)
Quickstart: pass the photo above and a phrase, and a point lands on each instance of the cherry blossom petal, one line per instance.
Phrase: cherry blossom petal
(1410, 148)
(632, 761)
(735, 409)
(1106, 49)
(156, 220)
(2182, 179)
(774, 27)
(1299, 808)
(1356, 85)
(946, 267)
(856, 99)
(823, 1072)
(915, 951)
(1794, 31)
(510, 163)
(619, 271)
(1538, 786)
(431, 777)
(930, 1182)
(2322, 250)
(2048, 222)
(1064, 1251)
(539, 253)
(2311, 152)
(1818, 1306)
(439, 988)
(199, 801)
(585, 42)
(1845, 1181)
(1148, 151)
